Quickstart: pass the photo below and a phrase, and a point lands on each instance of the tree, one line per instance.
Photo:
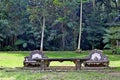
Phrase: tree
(112, 38)
(65, 23)
(43, 27)
(39, 8)
(79, 39)
(55, 24)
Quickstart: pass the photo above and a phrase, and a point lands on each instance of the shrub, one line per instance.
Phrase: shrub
(9, 48)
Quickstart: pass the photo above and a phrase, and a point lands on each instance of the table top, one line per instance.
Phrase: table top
(61, 59)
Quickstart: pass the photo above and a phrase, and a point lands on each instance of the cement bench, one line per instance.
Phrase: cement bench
(29, 62)
(45, 61)
(97, 59)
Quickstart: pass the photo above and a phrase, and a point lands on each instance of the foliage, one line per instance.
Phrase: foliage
(9, 48)
(111, 38)
(118, 50)
(21, 23)
(112, 34)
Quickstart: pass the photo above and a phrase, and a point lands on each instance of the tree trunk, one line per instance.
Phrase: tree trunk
(79, 40)
(0, 45)
(63, 28)
(118, 5)
(117, 43)
(63, 37)
(92, 46)
(42, 35)
(14, 39)
(74, 44)
(93, 4)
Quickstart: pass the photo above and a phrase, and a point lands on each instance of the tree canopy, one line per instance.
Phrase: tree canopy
(21, 23)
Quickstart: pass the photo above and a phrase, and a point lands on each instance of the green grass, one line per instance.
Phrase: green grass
(32, 75)
(15, 58)
(12, 59)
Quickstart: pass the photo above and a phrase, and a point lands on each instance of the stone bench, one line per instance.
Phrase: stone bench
(29, 60)
(44, 61)
(97, 59)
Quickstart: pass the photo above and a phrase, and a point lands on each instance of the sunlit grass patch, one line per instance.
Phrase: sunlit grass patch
(16, 58)
(66, 63)
(115, 63)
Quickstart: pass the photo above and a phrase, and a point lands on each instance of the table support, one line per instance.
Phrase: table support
(78, 64)
(42, 65)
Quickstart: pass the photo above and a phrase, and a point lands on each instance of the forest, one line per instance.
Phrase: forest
(23, 23)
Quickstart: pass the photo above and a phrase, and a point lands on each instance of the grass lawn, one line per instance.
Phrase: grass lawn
(15, 59)
(81, 75)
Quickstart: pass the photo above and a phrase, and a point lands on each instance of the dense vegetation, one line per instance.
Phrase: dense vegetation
(22, 22)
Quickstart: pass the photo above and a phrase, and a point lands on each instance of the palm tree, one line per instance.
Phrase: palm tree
(80, 31)
(42, 35)
(43, 27)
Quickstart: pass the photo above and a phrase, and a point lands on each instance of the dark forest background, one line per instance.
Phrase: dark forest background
(21, 24)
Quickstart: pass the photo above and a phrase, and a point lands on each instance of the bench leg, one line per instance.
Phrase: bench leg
(78, 65)
(42, 65)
